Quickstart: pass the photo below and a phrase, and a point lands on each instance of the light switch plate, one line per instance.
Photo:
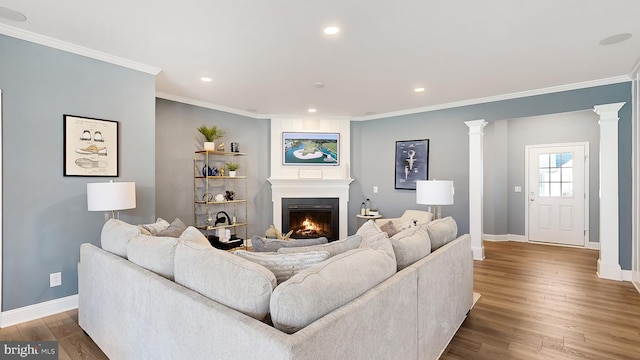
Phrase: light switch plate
(518, 189)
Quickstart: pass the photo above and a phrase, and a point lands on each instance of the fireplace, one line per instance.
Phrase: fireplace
(311, 217)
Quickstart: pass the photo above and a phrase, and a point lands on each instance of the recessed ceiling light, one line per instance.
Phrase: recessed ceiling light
(312, 110)
(419, 89)
(615, 39)
(318, 85)
(331, 30)
(206, 79)
(11, 14)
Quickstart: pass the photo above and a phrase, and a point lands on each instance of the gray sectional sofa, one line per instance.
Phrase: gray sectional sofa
(183, 300)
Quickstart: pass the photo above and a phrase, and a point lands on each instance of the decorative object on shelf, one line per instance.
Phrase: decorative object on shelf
(209, 218)
(362, 209)
(315, 149)
(374, 212)
(90, 146)
(210, 134)
(206, 171)
(221, 147)
(412, 163)
(218, 198)
(232, 167)
(235, 147)
(214, 171)
(367, 207)
(111, 196)
(207, 197)
(229, 195)
(222, 218)
(435, 193)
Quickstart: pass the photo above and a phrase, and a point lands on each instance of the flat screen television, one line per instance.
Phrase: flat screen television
(310, 148)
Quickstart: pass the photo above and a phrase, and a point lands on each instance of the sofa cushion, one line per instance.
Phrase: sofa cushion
(175, 229)
(284, 266)
(156, 227)
(442, 231)
(225, 278)
(116, 235)
(194, 237)
(410, 245)
(334, 248)
(320, 289)
(370, 232)
(272, 245)
(153, 253)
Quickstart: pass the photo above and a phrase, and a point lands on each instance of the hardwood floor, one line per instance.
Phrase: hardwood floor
(538, 302)
(72, 341)
(546, 302)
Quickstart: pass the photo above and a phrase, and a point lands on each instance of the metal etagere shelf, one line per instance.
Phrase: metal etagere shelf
(220, 200)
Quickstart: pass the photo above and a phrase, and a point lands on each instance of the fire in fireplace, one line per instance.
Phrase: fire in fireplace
(311, 217)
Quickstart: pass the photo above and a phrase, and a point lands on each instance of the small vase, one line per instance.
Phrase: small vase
(232, 173)
(210, 146)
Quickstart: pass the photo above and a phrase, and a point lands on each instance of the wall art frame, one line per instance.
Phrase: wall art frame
(411, 163)
(90, 146)
(310, 148)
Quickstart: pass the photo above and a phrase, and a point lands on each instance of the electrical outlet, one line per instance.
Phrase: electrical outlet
(375, 189)
(55, 279)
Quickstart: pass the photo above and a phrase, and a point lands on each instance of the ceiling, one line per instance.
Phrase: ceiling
(265, 57)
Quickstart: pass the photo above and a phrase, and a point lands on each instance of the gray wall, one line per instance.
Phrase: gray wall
(373, 148)
(177, 139)
(45, 217)
(558, 128)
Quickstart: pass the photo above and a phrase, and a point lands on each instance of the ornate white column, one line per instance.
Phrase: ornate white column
(476, 135)
(609, 261)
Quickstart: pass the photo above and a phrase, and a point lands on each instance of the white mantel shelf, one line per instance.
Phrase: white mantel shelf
(309, 183)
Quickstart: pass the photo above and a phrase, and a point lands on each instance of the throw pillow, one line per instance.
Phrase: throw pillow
(154, 253)
(284, 266)
(410, 246)
(225, 278)
(334, 248)
(262, 244)
(156, 227)
(318, 290)
(442, 231)
(193, 236)
(175, 229)
(389, 228)
(116, 235)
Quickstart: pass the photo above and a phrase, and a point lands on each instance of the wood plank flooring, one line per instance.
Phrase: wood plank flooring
(546, 302)
(538, 302)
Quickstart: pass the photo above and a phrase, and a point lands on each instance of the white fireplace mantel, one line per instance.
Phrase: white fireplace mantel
(311, 188)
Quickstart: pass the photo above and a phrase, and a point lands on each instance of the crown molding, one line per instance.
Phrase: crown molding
(208, 105)
(76, 49)
(516, 95)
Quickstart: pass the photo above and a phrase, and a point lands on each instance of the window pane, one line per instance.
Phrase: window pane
(567, 174)
(567, 189)
(555, 189)
(555, 175)
(543, 160)
(544, 175)
(567, 159)
(544, 190)
(555, 160)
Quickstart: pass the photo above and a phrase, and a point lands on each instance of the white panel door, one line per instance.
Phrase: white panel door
(556, 198)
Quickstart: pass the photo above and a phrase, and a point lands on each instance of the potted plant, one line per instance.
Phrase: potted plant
(210, 134)
(232, 167)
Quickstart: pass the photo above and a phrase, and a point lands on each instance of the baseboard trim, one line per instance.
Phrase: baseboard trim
(593, 245)
(36, 311)
(626, 275)
(504, 237)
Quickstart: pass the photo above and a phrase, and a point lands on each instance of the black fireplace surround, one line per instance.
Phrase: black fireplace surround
(311, 217)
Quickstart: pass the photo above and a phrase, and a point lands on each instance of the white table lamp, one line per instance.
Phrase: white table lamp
(434, 193)
(111, 196)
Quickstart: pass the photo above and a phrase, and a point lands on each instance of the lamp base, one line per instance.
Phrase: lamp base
(436, 211)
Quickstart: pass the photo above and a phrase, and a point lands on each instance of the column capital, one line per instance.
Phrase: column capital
(608, 111)
(476, 123)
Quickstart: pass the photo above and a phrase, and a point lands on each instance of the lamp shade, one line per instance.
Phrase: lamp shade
(434, 192)
(111, 196)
